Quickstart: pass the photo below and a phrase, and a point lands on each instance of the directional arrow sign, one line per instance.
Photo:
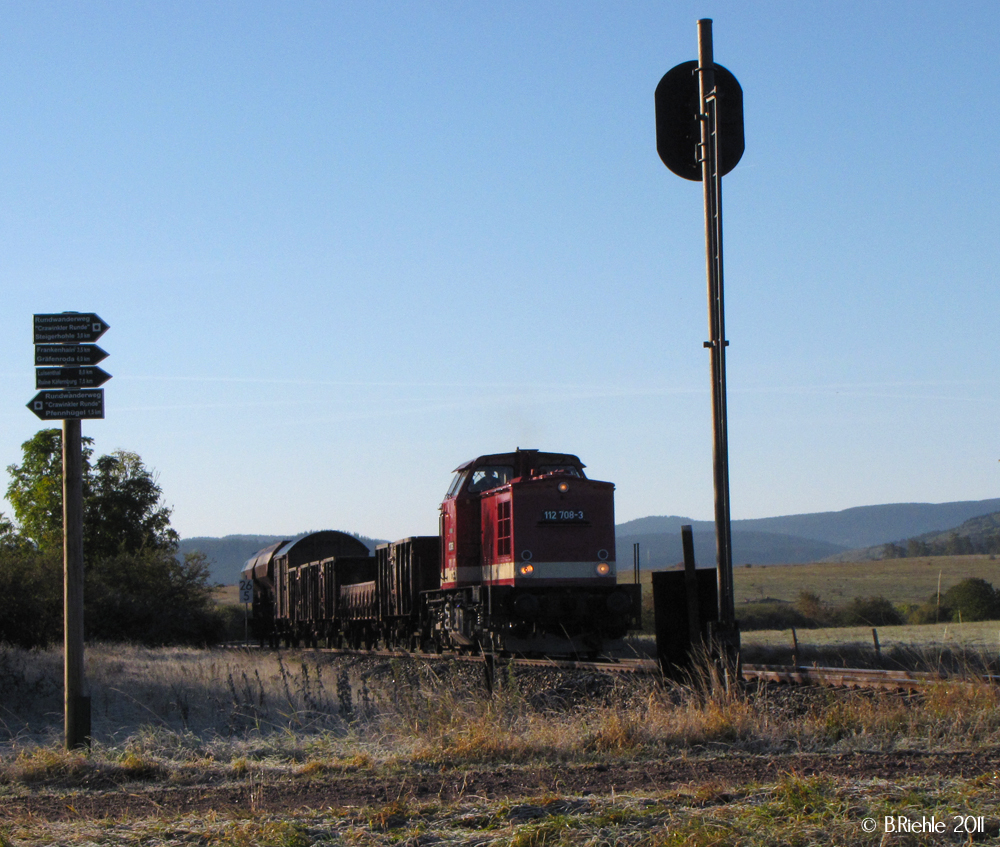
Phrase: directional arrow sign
(65, 405)
(67, 327)
(70, 377)
(68, 354)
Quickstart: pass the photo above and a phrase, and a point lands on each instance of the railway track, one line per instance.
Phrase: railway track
(886, 679)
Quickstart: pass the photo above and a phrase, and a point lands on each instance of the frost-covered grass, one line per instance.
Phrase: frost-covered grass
(171, 708)
(189, 718)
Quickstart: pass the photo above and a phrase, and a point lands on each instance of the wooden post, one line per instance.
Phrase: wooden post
(77, 706)
(691, 586)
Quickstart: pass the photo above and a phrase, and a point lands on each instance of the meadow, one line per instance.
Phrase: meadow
(238, 747)
(898, 580)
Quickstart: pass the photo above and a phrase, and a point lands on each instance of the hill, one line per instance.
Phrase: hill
(858, 527)
(663, 549)
(976, 535)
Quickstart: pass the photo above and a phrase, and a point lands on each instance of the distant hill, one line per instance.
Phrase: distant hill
(861, 526)
(976, 535)
(227, 555)
(663, 549)
(982, 532)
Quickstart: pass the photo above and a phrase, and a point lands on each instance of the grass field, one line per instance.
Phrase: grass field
(296, 749)
(898, 580)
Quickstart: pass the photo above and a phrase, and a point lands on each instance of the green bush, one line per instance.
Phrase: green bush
(868, 611)
(153, 598)
(771, 614)
(31, 588)
(924, 613)
(814, 609)
(973, 600)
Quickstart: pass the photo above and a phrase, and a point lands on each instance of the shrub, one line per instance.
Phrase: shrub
(811, 607)
(31, 588)
(868, 611)
(152, 598)
(923, 613)
(973, 599)
(771, 614)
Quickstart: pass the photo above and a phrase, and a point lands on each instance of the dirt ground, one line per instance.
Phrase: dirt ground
(285, 793)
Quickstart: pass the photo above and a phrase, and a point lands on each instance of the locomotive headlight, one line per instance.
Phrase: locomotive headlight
(563, 487)
(603, 569)
(527, 569)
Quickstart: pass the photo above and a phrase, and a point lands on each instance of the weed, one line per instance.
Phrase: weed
(267, 834)
(44, 764)
(390, 816)
(617, 731)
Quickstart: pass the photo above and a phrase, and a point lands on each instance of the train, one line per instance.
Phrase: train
(523, 564)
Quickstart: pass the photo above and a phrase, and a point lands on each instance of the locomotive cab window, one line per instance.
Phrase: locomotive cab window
(490, 476)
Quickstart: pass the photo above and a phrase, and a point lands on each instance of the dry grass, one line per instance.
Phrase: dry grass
(157, 709)
(186, 717)
(898, 580)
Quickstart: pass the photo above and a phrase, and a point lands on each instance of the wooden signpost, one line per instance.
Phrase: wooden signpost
(63, 340)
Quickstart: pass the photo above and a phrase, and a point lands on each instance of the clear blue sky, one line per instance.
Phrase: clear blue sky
(345, 246)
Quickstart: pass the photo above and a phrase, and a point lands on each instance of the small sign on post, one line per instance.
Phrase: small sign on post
(70, 377)
(68, 405)
(246, 598)
(246, 590)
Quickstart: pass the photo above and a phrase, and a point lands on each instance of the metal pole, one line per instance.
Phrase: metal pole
(712, 186)
(77, 706)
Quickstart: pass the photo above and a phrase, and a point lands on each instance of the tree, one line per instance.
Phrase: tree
(35, 489)
(122, 502)
(123, 510)
(153, 597)
(135, 586)
(972, 600)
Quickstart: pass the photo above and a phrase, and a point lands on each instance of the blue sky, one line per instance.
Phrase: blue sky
(345, 246)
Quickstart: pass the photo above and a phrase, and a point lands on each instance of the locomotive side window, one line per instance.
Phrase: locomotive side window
(566, 469)
(490, 476)
(503, 528)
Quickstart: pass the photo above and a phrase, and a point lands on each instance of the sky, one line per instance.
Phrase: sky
(344, 247)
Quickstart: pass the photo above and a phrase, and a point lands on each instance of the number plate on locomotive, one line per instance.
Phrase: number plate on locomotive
(563, 516)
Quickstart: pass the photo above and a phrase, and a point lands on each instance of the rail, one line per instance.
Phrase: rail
(876, 678)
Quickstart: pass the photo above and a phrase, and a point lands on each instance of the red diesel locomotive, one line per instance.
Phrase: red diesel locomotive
(524, 563)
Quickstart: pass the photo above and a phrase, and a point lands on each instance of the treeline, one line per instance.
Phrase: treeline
(136, 587)
(968, 600)
(953, 545)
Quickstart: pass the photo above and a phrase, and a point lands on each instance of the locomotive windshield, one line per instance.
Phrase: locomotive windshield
(490, 476)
